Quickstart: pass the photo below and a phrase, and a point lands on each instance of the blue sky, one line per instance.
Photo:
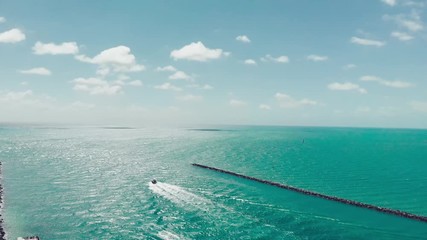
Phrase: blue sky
(321, 63)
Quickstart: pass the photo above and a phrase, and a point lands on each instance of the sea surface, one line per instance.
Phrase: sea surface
(94, 183)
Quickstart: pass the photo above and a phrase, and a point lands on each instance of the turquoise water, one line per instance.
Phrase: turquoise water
(93, 183)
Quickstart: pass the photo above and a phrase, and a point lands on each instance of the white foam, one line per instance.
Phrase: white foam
(166, 235)
(178, 195)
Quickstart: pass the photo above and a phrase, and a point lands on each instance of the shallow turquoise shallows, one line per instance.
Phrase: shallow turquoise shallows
(94, 183)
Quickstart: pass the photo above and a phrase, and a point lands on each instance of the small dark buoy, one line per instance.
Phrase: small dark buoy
(154, 181)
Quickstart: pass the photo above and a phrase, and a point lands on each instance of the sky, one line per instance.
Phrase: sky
(182, 63)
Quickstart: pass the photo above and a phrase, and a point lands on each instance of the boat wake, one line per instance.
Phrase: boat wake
(179, 195)
(212, 212)
(166, 235)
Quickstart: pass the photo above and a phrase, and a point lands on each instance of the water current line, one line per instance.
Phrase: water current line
(331, 198)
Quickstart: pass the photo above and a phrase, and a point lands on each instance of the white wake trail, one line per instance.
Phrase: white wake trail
(179, 195)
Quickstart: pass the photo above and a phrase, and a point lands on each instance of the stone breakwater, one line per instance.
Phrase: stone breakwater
(332, 198)
(2, 233)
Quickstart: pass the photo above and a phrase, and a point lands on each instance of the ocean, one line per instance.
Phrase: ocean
(94, 183)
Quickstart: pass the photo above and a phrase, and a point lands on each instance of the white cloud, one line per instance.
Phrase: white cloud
(250, 62)
(117, 59)
(370, 78)
(169, 68)
(103, 71)
(317, 58)
(168, 86)
(129, 68)
(367, 42)
(207, 87)
(12, 36)
(264, 107)
(411, 22)
(196, 51)
(189, 97)
(411, 25)
(419, 106)
(135, 83)
(347, 86)
(2, 19)
(119, 55)
(237, 103)
(55, 49)
(416, 4)
(286, 101)
(15, 96)
(389, 2)
(179, 75)
(96, 86)
(393, 84)
(24, 101)
(280, 59)
(350, 66)
(243, 38)
(82, 105)
(37, 71)
(203, 87)
(402, 36)
(123, 81)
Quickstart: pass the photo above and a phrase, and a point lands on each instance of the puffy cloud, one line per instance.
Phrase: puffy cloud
(317, 58)
(389, 2)
(135, 83)
(96, 86)
(402, 36)
(286, 101)
(168, 86)
(24, 101)
(82, 105)
(243, 38)
(367, 42)
(411, 22)
(203, 87)
(119, 55)
(370, 78)
(179, 75)
(350, 66)
(189, 97)
(37, 71)
(416, 4)
(393, 84)
(169, 68)
(12, 36)
(280, 59)
(124, 80)
(2, 19)
(347, 86)
(412, 25)
(250, 62)
(264, 107)
(196, 51)
(237, 103)
(206, 87)
(15, 96)
(117, 59)
(55, 49)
